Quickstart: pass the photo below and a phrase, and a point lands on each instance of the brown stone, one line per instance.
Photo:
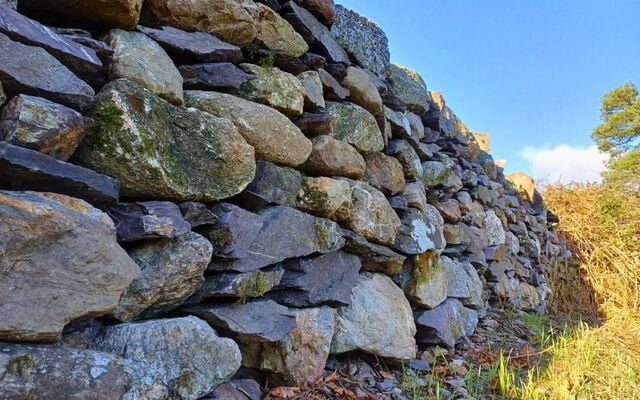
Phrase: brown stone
(331, 157)
(384, 173)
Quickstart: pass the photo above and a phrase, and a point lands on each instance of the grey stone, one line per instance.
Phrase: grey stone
(274, 88)
(372, 216)
(373, 257)
(446, 324)
(420, 231)
(222, 77)
(148, 220)
(197, 214)
(424, 280)
(234, 231)
(241, 286)
(402, 151)
(334, 158)
(312, 84)
(409, 86)
(356, 126)
(464, 283)
(272, 185)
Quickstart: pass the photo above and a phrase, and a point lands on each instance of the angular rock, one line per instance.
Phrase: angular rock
(464, 283)
(315, 124)
(384, 173)
(378, 321)
(363, 92)
(60, 262)
(410, 87)
(171, 272)
(365, 41)
(81, 60)
(415, 195)
(148, 220)
(243, 286)
(234, 231)
(494, 228)
(256, 321)
(185, 352)
(420, 231)
(424, 280)
(474, 238)
(300, 357)
(226, 19)
(333, 90)
(237, 389)
(445, 324)
(402, 151)
(114, 14)
(334, 158)
(372, 216)
(222, 77)
(312, 84)
(42, 125)
(33, 71)
(356, 126)
(325, 197)
(193, 47)
(323, 280)
(141, 60)
(373, 257)
(197, 214)
(272, 185)
(170, 153)
(324, 10)
(435, 173)
(24, 169)
(286, 233)
(400, 124)
(274, 32)
(450, 210)
(274, 137)
(524, 184)
(275, 88)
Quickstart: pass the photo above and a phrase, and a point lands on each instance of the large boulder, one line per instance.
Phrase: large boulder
(372, 216)
(114, 14)
(274, 32)
(60, 262)
(424, 280)
(420, 231)
(363, 91)
(384, 173)
(379, 320)
(33, 71)
(356, 126)
(334, 158)
(409, 86)
(325, 197)
(464, 283)
(274, 88)
(298, 358)
(157, 150)
(226, 19)
(365, 41)
(274, 137)
(185, 353)
(445, 324)
(171, 272)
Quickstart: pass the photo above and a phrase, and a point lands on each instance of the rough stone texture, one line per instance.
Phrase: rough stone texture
(157, 150)
(42, 288)
(373, 257)
(384, 173)
(372, 216)
(333, 90)
(410, 87)
(274, 32)
(362, 39)
(524, 184)
(424, 280)
(324, 280)
(274, 137)
(362, 89)
(450, 210)
(272, 185)
(81, 60)
(324, 10)
(415, 195)
(286, 233)
(24, 169)
(314, 97)
(171, 272)
(42, 125)
(446, 324)
(12, 4)
(275, 88)
(197, 214)
(148, 220)
(300, 357)
(464, 282)
(141, 60)
(193, 47)
(114, 14)
(223, 77)
(242, 286)
(356, 126)
(325, 197)
(494, 228)
(256, 321)
(226, 19)
(402, 151)
(185, 352)
(334, 158)
(33, 71)
(234, 231)
(420, 231)
(379, 320)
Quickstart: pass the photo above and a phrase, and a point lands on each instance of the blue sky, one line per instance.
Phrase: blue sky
(531, 72)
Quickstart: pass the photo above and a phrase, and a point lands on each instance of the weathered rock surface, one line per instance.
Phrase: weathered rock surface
(402, 151)
(234, 231)
(275, 88)
(171, 272)
(154, 148)
(148, 220)
(33, 71)
(193, 47)
(420, 231)
(42, 125)
(372, 216)
(324, 10)
(325, 197)
(42, 287)
(494, 228)
(424, 280)
(197, 214)
(362, 39)
(410, 87)
(272, 185)
(445, 324)
(334, 158)
(356, 126)
(373, 257)
(274, 32)
(25, 169)
(385, 173)
(141, 60)
(464, 282)
(362, 90)
(333, 90)
(274, 137)
(248, 285)
(379, 320)
(186, 353)
(314, 97)
(114, 14)
(223, 77)
(237, 389)
(300, 357)
(323, 280)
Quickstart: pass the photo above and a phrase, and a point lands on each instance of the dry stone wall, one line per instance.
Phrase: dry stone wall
(193, 192)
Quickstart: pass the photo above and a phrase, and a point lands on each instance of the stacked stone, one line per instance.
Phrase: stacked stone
(192, 187)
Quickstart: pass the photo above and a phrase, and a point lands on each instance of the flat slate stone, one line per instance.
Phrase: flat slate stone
(315, 124)
(81, 60)
(197, 214)
(190, 47)
(234, 231)
(25, 169)
(222, 77)
(323, 280)
(256, 321)
(243, 286)
(148, 220)
(373, 257)
(272, 185)
(32, 70)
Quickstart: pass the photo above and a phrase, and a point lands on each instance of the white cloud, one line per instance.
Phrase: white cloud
(564, 163)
